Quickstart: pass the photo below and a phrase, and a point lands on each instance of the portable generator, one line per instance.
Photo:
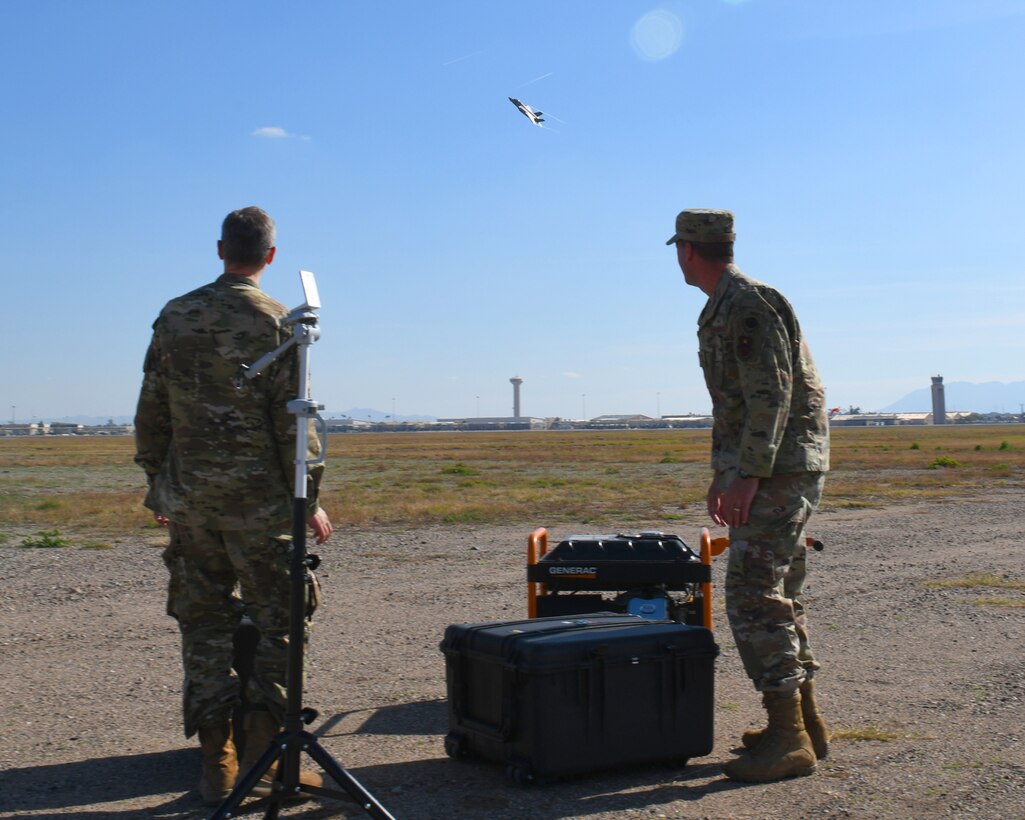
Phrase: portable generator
(651, 574)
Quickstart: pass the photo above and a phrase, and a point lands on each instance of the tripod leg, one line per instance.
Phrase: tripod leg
(248, 782)
(342, 777)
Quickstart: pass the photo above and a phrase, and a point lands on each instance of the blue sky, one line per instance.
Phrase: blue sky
(871, 150)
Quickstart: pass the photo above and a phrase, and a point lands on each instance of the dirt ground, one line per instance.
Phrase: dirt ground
(925, 685)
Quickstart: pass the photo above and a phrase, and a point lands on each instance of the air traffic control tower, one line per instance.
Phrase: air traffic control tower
(516, 382)
(939, 405)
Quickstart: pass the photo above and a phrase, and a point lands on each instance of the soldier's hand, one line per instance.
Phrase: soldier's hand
(321, 526)
(162, 520)
(735, 503)
(714, 502)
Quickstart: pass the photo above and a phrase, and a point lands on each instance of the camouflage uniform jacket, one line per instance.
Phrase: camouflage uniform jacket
(767, 401)
(217, 456)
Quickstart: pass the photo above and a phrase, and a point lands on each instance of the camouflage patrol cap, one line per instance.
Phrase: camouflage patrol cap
(703, 225)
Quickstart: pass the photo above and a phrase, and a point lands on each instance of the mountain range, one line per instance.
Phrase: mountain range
(986, 397)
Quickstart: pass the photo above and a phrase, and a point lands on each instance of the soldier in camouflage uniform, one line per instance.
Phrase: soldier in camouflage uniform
(220, 466)
(770, 453)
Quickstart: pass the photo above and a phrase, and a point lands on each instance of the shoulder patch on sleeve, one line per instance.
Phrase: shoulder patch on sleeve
(747, 335)
(745, 347)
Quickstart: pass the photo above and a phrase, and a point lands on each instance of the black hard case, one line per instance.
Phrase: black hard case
(560, 696)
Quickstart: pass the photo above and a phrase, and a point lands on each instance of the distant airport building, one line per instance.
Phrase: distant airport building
(63, 428)
(494, 423)
(939, 405)
(639, 421)
(31, 429)
(878, 419)
(689, 421)
(621, 421)
(901, 419)
(347, 425)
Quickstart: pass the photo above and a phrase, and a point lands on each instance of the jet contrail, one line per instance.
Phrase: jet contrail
(536, 79)
(460, 59)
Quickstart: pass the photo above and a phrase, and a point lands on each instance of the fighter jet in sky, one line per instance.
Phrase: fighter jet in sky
(528, 112)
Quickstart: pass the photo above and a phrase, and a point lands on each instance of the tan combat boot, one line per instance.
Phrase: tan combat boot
(261, 729)
(220, 763)
(814, 725)
(784, 750)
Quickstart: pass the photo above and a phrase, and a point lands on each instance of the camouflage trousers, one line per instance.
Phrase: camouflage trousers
(765, 583)
(208, 569)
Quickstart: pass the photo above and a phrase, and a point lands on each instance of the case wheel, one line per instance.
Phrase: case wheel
(455, 747)
(519, 775)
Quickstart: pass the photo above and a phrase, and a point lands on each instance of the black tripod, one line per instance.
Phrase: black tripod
(287, 746)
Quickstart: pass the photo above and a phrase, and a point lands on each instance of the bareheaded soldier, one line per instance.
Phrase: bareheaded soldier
(220, 463)
(770, 453)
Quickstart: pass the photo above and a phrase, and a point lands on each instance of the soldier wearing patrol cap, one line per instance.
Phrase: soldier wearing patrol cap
(218, 459)
(770, 453)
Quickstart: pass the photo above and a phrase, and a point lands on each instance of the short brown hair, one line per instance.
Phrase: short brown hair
(247, 235)
(714, 251)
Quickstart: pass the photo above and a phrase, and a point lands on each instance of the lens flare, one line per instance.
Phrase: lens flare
(657, 35)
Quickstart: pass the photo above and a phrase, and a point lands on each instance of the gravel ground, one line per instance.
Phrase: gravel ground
(89, 725)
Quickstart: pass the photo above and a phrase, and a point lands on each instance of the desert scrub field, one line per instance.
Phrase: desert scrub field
(86, 491)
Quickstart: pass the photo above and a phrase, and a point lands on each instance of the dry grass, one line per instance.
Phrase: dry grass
(866, 733)
(1008, 603)
(90, 487)
(984, 579)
